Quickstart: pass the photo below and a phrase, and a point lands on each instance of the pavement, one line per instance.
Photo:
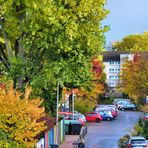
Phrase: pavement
(68, 141)
(71, 141)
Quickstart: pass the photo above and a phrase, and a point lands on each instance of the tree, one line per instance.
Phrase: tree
(97, 83)
(84, 105)
(19, 118)
(132, 43)
(134, 78)
(42, 42)
(96, 87)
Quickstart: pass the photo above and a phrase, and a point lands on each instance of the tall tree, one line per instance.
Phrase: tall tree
(97, 83)
(134, 78)
(132, 43)
(42, 42)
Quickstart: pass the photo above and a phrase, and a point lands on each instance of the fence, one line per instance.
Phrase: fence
(53, 136)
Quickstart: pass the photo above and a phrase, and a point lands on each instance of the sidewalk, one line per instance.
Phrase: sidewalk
(68, 141)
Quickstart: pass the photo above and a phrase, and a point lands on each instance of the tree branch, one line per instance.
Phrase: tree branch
(4, 58)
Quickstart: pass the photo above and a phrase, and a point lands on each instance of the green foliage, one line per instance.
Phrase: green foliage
(84, 105)
(43, 42)
(133, 43)
(6, 141)
(141, 128)
(107, 101)
(123, 141)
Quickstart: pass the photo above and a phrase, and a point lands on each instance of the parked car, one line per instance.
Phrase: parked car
(80, 116)
(71, 116)
(93, 116)
(75, 117)
(128, 107)
(113, 106)
(137, 142)
(106, 115)
(122, 103)
(120, 99)
(145, 116)
(113, 112)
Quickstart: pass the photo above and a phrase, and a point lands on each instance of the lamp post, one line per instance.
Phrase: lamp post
(73, 103)
(57, 115)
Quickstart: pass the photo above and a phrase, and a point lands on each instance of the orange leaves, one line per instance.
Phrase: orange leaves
(134, 77)
(18, 117)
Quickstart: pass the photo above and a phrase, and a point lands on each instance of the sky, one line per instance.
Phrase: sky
(126, 17)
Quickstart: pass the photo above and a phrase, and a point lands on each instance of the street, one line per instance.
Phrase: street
(106, 133)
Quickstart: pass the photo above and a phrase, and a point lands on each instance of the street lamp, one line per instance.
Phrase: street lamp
(57, 115)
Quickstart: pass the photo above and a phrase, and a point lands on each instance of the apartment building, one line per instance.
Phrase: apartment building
(113, 61)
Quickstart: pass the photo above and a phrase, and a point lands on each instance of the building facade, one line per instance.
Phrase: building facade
(113, 61)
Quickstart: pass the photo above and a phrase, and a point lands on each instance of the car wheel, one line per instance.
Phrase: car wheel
(122, 109)
(108, 119)
(98, 120)
(134, 109)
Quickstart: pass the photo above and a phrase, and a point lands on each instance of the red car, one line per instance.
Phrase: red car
(145, 118)
(93, 116)
(70, 116)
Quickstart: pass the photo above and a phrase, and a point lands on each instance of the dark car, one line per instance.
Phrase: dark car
(93, 116)
(128, 107)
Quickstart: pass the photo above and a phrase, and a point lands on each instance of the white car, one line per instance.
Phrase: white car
(137, 142)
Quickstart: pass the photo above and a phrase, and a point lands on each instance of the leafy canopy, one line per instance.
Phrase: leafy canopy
(42, 42)
(133, 43)
(134, 78)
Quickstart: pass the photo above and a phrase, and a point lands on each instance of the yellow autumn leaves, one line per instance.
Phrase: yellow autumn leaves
(18, 117)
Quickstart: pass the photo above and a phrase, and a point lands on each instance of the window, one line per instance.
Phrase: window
(116, 77)
(112, 84)
(111, 62)
(111, 70)
(111, 77)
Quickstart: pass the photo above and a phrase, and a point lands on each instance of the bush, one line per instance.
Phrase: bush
(84, 105)
(18, 119)
(107, 101)
(6, 141)
(141, 128)
(122, 143)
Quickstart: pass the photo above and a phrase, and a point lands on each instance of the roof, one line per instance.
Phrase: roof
(113, 55)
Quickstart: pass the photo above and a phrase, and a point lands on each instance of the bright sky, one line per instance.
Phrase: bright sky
(126, 17)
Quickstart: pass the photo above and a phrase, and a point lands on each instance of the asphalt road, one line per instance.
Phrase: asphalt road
(106, 133)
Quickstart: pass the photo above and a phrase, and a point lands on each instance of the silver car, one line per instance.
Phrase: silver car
(137, 142)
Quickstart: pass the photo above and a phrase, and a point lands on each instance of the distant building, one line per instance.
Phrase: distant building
(113, 61)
